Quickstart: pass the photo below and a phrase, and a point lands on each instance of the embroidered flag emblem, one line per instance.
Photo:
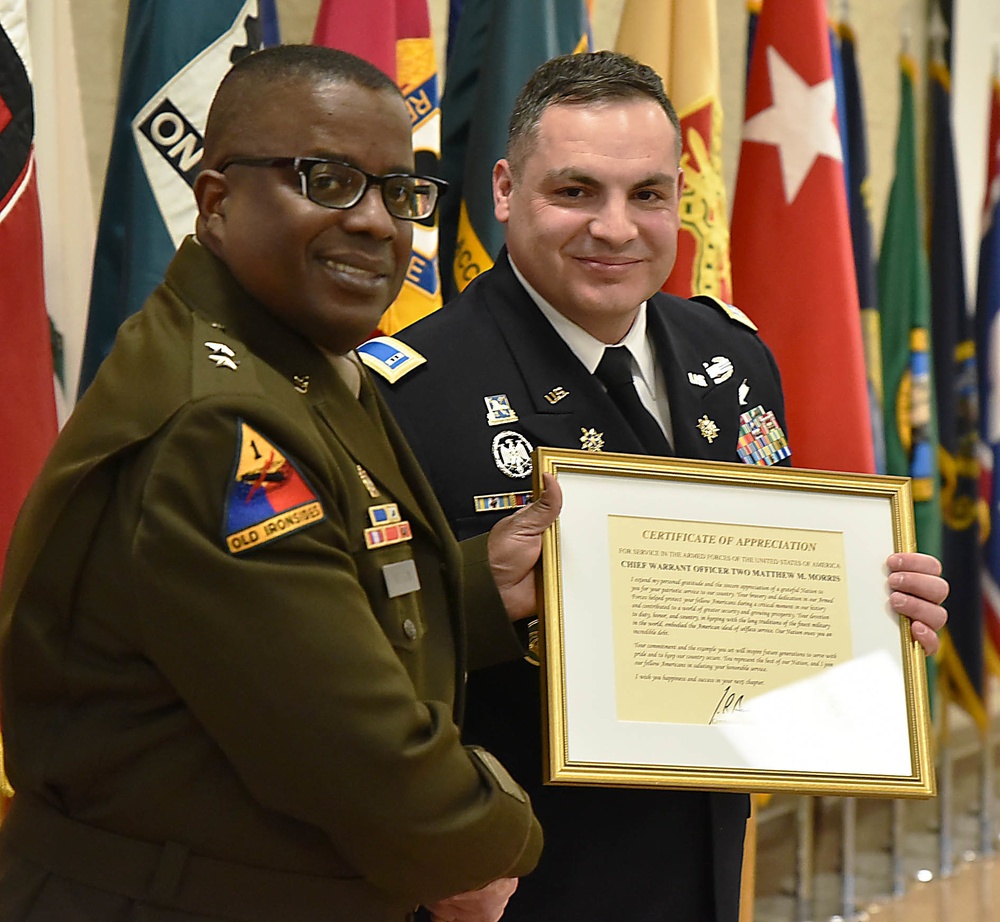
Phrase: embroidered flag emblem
(267, 497)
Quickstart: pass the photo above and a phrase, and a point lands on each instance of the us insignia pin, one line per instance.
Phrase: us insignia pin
(512, 454)
(267, 497)
(556, 394)
(384, 535)
(591, 439)
(301, 383)
(761, 440)
(385, 514)
(498, 410)
(708, 429)
(223, 356)
(367, 481)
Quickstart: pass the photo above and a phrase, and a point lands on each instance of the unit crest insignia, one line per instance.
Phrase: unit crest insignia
(499, 410)
(512, 453)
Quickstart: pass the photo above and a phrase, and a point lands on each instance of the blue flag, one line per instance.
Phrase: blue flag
(855, 138)
(988, 350)
(176, 53)
(957, 412)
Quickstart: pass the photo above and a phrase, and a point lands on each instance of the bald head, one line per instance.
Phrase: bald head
(242, 97)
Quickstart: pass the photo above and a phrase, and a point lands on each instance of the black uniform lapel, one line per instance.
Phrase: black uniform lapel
(567, 400)
(696, 409)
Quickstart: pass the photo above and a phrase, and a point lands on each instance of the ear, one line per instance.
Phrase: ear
(503, 184)
(211, 193)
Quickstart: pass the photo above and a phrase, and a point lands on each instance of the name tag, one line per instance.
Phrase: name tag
(400, 578)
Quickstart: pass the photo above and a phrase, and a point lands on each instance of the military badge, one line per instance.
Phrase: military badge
(591, 439)
(366, 479)
(697, 380)
(267, 497)
(223, 356)
(761, 440)
(495, 502)
(498, 410)
(512, 453)
(389, 357)
(384, 535)
(719, 368)
(385, 514)
(708, 429)
(556, 394)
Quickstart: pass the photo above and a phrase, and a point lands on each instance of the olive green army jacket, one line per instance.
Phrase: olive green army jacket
(233, 642)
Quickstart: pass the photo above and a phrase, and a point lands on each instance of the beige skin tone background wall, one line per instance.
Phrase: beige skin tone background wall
(100, 24)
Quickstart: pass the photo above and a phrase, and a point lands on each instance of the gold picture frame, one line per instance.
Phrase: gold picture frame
(727, 627)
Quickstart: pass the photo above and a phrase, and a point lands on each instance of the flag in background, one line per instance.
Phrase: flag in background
(854, 133)
(270, 33)
(497, 46)
(911, 438)
(961, 658)
(67, 207)
(395, 36)
(790, 201)
(904, 296)
(28, 410)
(679, 40)
(988, 349)
(176, 53)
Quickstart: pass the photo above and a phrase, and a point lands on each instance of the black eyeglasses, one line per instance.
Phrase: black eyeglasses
(340, 185)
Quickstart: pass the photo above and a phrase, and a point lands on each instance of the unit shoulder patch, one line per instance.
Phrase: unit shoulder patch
(267, 497)
(730, 310)
(390, 358)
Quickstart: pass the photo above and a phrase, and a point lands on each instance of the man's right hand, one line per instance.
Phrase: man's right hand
(484, 905)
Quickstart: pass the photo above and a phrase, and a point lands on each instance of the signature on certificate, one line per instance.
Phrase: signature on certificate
(731, 700)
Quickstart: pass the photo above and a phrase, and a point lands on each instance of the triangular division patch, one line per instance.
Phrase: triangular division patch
(267, 497)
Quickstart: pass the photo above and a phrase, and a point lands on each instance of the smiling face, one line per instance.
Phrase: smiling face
(329, 274)
(591, 210)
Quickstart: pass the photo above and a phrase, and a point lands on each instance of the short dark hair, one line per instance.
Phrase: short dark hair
(578, 79)
(244, 88)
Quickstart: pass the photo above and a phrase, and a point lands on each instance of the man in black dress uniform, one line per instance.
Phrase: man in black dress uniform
(567, 342)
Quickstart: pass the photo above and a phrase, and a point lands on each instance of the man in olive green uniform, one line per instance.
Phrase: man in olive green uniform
(233, 641)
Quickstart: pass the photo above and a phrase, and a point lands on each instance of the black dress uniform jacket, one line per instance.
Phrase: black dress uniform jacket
(610, 854)
(201, 731)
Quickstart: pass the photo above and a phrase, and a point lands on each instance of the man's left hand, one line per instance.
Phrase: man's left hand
(918, 591)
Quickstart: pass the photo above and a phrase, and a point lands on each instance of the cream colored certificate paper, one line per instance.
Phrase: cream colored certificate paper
(708, 616)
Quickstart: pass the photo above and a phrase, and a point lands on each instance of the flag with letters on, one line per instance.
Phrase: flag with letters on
(395, 36)
(496, 47)
(679, 40)
(791, 200)
(176, 54)
(28, 409)
(988, 350)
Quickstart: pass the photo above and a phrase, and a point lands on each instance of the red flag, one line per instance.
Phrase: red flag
(793, 266)
(27, 407)
(395, 36)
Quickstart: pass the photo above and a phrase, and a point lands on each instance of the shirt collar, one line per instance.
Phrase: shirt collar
(588, 349)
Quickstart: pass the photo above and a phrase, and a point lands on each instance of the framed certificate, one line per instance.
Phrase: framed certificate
(724, 626)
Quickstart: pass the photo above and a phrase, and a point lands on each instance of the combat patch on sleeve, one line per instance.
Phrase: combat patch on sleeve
(730, 310)
(389, 357)
(267, 497)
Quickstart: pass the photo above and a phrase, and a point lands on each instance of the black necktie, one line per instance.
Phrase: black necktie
(615, 372)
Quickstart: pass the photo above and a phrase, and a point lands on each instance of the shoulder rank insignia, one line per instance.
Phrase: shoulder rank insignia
(222, 355)
(267, 497)
(730, 310)
(389, 357)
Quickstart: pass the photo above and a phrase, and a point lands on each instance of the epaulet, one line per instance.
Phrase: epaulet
(730, 310)
(389, 357)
